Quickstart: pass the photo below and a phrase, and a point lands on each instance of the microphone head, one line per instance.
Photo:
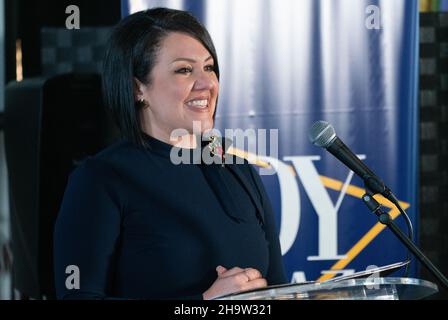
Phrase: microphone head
(322, 134)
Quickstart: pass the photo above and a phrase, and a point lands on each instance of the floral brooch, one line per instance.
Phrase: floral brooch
(216, 148)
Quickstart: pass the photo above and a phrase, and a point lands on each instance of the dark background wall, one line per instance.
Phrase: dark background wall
(434, 141)
(26, 18)
(44, 100)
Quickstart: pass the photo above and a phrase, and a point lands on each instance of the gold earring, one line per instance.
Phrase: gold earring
(143, 103)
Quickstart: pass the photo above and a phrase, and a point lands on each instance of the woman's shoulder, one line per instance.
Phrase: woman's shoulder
(104, 162)
(98, 177)
(116, 150)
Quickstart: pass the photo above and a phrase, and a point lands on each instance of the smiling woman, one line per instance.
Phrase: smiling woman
(160, 64)
(185, 74)
(135, 225)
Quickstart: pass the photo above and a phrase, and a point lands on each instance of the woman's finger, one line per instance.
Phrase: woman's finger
(220, 270)
(255, 284)
(231, 272)
(252, 273)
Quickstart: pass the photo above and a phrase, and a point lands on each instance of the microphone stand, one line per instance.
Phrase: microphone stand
(386, 219)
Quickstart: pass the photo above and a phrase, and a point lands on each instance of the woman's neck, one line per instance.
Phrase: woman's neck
(187, 141)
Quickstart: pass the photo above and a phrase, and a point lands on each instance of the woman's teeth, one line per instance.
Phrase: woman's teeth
(198, 103)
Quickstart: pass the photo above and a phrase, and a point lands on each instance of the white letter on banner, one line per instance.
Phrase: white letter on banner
(321, 201)
(290, 203)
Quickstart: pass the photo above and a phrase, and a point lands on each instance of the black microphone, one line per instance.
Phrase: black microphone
(322, 134)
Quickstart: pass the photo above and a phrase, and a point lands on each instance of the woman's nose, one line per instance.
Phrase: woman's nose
(204, 81)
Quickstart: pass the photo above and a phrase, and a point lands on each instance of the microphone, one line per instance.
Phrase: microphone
(322, 134)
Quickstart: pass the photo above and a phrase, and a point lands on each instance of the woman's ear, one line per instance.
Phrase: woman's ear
(139, 88)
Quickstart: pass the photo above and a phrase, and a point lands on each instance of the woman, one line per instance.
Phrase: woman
(134, 224)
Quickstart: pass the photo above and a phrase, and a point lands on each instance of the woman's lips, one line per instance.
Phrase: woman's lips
(200, 105)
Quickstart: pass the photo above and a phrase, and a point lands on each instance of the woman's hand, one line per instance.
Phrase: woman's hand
(234, 280)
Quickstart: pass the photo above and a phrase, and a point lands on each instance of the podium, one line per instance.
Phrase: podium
(351, 289)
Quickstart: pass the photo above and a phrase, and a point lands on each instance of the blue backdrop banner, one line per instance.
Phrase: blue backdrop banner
(284, 65)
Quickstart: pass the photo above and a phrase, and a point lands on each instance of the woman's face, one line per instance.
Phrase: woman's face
(183, 88)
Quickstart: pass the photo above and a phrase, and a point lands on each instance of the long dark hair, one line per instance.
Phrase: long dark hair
(132, 51)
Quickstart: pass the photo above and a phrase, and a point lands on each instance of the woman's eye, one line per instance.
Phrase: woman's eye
(210, 68)
(184, 70)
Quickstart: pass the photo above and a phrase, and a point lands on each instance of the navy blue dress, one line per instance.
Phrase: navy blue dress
(140, 227)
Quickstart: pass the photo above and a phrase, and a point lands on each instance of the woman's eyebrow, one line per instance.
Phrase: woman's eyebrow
(190, 60)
